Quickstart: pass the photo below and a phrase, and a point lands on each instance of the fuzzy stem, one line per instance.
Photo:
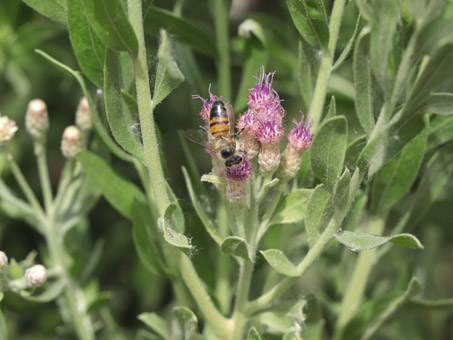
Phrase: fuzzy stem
(3, 327)
(325, 68)
(41, 158)
(356, 288)
(221, 23)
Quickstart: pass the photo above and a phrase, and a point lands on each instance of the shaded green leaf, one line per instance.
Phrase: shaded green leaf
(51, 292)
(119, 121)
(102, 299)
(363, 83)
(345, 52)
(109, 20)
(186, 319)
(88, 49)
(363, 241)
(425, 304)
(292, 207)
(180, 29)
(236, 246)
(440, 104)
(53, 9)
(341, 196)
(171, 235)
(118, 191)
(253, 334)
(168, 75)
(214, 180)
(157, 324)
(353, 151)
(310, 19)
(319, 211)
(328, 151)
(282, 317)
(146, 244)
(278, 260)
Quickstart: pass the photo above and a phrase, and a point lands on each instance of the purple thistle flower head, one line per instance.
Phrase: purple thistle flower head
(263, 91)
(248, 122)
(241, 173)
(300, 137)
(270, 131)
(207, 104)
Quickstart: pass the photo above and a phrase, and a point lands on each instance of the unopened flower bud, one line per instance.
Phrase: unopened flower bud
(3, 261)
(36, 275)
(83, 115)
(71, 143)
(269, 157)
(249, 144)
(8, 128)
(37, 119)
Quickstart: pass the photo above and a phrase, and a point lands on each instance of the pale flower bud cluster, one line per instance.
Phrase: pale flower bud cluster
(36, 275)
(83, 115)
(8, 128)
(37, 119)
(3, 261)
(71, 142)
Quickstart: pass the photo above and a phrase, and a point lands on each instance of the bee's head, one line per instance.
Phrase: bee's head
(227, 152)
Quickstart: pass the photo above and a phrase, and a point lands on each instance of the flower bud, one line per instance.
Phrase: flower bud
(3, 261)
(83, 115)
(249, 144)
(8, 128)
(36, 275)
(71, 143)
(37, 119)
(269, 157)
(237, 186)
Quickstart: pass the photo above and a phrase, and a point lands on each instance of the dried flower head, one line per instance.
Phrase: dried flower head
(8, 128)
(37, 119)
(3, 261)
(71, 142)
(83, 115)
(36, 275)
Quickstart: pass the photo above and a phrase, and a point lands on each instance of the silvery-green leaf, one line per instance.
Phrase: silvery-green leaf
(236, 246)
(363, 241)
(157, 324)
(278, 260)
(292, 207)
(319, 211)
(171, 235)
(187, 320)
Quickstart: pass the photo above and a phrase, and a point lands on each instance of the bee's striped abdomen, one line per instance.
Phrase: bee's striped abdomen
(219, 124)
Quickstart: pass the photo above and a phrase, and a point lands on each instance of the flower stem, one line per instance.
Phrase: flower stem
(221, 22)
(41, 158)
(357, 284)
(325, 68)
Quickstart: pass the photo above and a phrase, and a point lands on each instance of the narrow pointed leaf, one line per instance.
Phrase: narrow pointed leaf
(118, 191)
(235, 246)
(109, 20)
(364, 241)
(52, 291)
(341, 195)
(253, 334)
(292, 207)
(187, 321)
(440, 104)
(53, 9)
(328, 151)
(278, 260)
(157, 324)
(319, 211)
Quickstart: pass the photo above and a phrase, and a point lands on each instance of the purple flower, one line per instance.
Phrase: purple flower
(300, 137)
(263, 92)
(241, 173)
(207, 104)
(270, 131)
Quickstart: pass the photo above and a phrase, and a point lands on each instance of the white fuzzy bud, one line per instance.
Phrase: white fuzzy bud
(269, 157)
(83, 115)
(3, 261)
(71, 142)
(8, 128)
(36, 275)
(37, 119)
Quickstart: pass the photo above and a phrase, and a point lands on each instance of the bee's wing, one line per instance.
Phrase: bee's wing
(199, 137)
(231, 117)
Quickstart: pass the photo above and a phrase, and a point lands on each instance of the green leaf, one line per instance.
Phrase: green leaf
(102, 299)
(424, 304)
(254, 57)
(440, 104)
(341, 197)
(278, 260)
(120, 121)
(207, 223)
(168, 75)
(328, 151)
(97, 121)
(214, 180)
(157, 324)
(51, 292)
(393, 181)
(236, 246)
(292, 207)
(353, 151)
(319, 212)
(363, 241)
(372, 315)
(253, 334)
(53, 9)
(363, 85)
(170, 228)
(187, 320)
(282, 317)
(332, 111)
(119, 192)
(88, 49)
(310, 19)
(109, 20)
(345, 52)
(180, 29)
(146, 240)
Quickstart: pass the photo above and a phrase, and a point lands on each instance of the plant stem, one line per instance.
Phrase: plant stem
(325, 68)
(221, 23)
(221, 325)
(145, 109)
(357, 285)
(317, 249)
(240, 316)
(41, 158)
(3, 327)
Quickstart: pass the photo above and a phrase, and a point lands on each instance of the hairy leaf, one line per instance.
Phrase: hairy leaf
(278, 260)
(319, 211)
(292, 207)
(236, 246)
(53, 9)
(187, 321)
(157, 324)
(170, 230)
(363, 241)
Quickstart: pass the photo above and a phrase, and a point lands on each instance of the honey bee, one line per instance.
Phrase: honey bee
(219, 138)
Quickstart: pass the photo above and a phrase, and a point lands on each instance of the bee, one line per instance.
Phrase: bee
(219, 138)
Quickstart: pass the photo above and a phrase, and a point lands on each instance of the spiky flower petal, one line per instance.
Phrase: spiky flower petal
(300, 136)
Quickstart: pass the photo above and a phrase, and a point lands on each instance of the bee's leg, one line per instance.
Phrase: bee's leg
(237, 134)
